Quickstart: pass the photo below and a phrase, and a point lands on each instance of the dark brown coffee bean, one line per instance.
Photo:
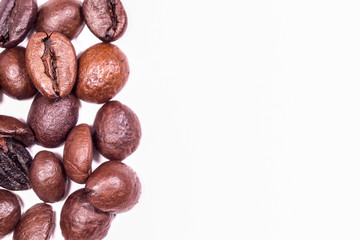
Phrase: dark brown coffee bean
(82, 221)
(16, 19)
(52, 119)
(13, 128)
(64, 16)
(15, 163)
(106, 19)
(14, 78)
(117, 131)
(10, 212)
(51, 63)
(47, 177)
(103, 72)
(113, 187)
(37, 223)
(78, 153)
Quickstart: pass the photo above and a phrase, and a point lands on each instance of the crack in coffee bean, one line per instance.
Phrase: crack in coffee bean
(112, 28)
(49, 61)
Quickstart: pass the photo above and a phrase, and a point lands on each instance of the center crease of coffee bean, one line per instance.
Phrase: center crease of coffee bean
(49, 60)
(110, 32)
(8, 21)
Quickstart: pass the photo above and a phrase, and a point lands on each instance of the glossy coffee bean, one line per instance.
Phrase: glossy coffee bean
(117, 131)
(17, 17)
(64, 16)
(47, 177)
(37, 223)
(78, 153)
(113, 187)
(106, 19)
(103, 72)
(51, 63)
(82, 221)
(14, 78)
(10, 212)
(52, 119)
(11, 127)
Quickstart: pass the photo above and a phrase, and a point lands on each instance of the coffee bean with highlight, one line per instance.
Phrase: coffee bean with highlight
(51, 63)
(14, 78)
(10, 212)
(11, 127)
(52, 119)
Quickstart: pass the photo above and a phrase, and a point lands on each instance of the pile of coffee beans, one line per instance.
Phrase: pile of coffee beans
(49, 71)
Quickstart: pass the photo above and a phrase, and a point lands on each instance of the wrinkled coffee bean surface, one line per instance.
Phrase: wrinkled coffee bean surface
(11, 127)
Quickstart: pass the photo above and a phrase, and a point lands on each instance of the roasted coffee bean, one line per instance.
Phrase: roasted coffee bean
(113, 187)
(52, 119)
(82, 221)
(16, 20)
(15, 163)
(47, 177)
(37, 223)
(106, 19)
(51, 63)
(78, 153)
(13, 128)
(103, 72)
(64, 16)
(14, 78)
(10, 212)
(117, 131)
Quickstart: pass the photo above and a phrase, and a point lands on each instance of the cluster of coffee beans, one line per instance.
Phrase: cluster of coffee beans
(49, 71)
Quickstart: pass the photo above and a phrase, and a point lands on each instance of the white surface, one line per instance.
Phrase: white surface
(250, 117)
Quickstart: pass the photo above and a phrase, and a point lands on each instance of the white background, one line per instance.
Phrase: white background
(250, 118)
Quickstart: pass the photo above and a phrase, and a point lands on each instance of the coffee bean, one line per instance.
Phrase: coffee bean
(10, 212)
(52, 119)
(117, 131)
(64, 16)
(13, 128)
(47, 177)
(106, 19)
(78, 153)
(37, 223)
(113, 187)
(16, 20)
(15, 163)
(14, 78)
(82, 221)
(51, 63)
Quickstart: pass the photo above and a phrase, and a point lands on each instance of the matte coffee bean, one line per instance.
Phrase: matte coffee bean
(17, 17)
(64, 16)
(51, 63)
(52, 119)
(14, 78)
(37, 223)
(79, 220)
(15, 163)
(10, 212)
(47, 177)
(117, 131)
(78, 153)
(103, 72)
(113, 187)
(106, 19)
(13, 128)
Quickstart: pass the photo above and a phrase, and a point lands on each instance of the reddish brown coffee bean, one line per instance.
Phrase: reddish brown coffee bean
(64, 16)
(16, 20)
(13, 128)
(37, 223)
(117, 131)
(113, 187)
(103, 72)
(47, 177)
(10, 212)
(14, 78)
(52, 119)
(82, 221)
(78, 153)
(51, 63)
(106, 19)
